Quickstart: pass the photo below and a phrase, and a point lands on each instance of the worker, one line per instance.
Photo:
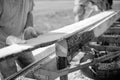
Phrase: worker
(16, 26)
(110, 2)
(86, 8)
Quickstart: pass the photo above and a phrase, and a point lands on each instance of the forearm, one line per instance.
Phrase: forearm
(1, 8)
(3, 38)
(3, 35)
(2, 41)
(29, 21)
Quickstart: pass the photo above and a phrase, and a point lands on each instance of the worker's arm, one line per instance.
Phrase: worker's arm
(3, 35)
(29, 21)
(30, 31)
(0, 7)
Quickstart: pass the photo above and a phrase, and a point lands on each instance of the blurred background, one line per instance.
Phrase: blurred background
(53, 14)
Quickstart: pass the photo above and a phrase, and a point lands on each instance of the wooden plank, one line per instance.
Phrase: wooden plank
(105, 48)
(116, 24)
(62, 54)
(104, 25)
(113, 31)
(89, 29)
(109, 38)
(65, 32)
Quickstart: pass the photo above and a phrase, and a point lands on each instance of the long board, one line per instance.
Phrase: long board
(98, 29)
(94, 24)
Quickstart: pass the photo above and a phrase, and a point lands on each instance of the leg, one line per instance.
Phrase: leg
(110, 3)
(8, 67)
(25, 59)
(79, 12)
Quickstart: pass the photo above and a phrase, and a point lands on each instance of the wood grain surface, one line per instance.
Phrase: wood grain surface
(60, 34)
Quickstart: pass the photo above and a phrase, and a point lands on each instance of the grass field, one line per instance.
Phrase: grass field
(49, 15)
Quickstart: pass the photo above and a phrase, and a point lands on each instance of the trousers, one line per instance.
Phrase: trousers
(8, 66)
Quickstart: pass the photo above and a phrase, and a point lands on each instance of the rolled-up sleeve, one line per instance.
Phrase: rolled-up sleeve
(0, 10)
(1, 7)
(29, 21)
(31, 5)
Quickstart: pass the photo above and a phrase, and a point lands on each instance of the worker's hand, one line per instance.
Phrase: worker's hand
(14, 40)
(29, 33)
(87, 56)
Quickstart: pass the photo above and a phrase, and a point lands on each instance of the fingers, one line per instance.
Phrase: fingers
(20, 41)
(29, 33)
(14, 40)
(33, 31)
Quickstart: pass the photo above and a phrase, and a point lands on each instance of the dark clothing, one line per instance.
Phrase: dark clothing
(14, 18)
(14, 15)
(110, 3)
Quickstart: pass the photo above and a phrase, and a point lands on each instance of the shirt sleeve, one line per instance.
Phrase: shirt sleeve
(29, 21)
(31, 5)
(0, 7)
(0, 10)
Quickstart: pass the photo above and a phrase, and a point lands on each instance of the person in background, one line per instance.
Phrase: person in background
(16, 26)
(110, 2)
(79, 9)
(86, 8)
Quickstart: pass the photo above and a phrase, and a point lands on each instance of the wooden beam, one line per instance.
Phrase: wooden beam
(109, 39)
(57, 35)
(105, 48)
(113, 31)
(105, 24)
(63, 33)
(62, 54)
